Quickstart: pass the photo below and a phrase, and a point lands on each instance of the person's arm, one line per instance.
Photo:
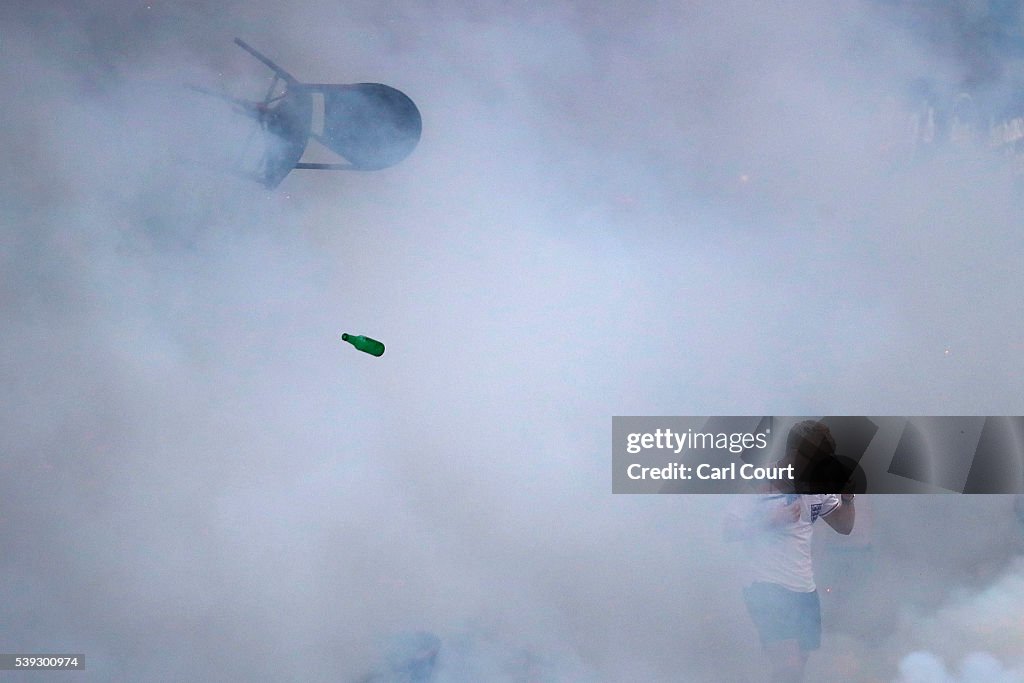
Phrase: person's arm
(841, 519)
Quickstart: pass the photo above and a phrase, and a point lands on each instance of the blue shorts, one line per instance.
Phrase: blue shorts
(781, 614)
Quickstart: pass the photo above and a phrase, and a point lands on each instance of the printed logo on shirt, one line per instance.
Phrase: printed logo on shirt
(815, 511)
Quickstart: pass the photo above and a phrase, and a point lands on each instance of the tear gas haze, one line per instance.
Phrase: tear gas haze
(669, 209)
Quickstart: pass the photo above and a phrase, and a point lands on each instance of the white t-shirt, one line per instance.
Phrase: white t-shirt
(783, 555)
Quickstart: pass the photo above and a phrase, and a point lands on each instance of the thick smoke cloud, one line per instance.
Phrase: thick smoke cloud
(681, 209)
(924, 667)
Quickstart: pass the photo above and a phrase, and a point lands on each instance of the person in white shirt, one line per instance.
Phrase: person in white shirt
(775, 527)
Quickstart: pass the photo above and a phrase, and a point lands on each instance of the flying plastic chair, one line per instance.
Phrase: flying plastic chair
(369, 125)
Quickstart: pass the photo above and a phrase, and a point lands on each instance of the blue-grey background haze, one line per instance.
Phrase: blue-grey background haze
(672, 208)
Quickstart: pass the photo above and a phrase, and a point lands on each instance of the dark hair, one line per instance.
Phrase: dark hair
(812, 438)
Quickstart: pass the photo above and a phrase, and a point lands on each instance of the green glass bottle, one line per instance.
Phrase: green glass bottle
(364, 344)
